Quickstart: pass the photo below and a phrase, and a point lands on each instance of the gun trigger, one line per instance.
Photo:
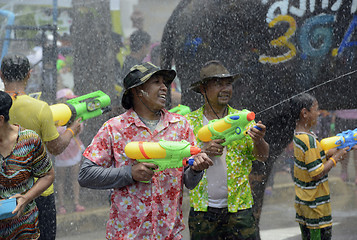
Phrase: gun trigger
(260, 129)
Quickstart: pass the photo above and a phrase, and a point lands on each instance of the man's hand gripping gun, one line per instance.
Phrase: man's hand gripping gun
(230, 128)
(87, 106)
(345, 139)
(164, 154)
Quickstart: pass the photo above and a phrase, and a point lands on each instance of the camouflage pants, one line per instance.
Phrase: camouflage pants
(219, 224)
(316, 234)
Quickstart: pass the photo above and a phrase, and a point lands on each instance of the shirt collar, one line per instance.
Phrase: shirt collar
(131, 117)
(200, 111)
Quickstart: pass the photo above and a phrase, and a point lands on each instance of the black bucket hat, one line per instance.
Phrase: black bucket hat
(210, 70)
(138, 75)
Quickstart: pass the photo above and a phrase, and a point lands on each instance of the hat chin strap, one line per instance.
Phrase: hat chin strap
(204, 88)
(156, 113)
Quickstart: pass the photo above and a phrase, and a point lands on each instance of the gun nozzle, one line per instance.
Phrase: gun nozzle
(185, 162)
(195, 150)
(250, 116)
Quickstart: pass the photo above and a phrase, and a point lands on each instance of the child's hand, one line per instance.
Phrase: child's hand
(331, 152)
(340, 154)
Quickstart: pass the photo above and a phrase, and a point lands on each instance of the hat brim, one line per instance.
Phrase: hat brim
(168, 74)
(196, 86)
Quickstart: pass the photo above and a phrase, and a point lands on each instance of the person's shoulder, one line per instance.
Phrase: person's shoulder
(122, 120)
(300, 135)
(114, 120)
(304, 140)
(32, 101)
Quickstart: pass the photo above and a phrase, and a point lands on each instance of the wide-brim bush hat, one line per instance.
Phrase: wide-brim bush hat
(138, 75)
(213, 69)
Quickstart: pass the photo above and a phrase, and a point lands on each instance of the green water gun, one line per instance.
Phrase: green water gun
(87, 106)
(180, 109)
(230, 128)
(164, 154)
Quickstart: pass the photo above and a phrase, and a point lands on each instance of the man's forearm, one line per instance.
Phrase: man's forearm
(94, 176)
(191, 178)
(57, 146)
(261, 150)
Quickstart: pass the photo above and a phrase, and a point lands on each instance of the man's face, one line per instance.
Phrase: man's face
(153, 93)
(219, 91)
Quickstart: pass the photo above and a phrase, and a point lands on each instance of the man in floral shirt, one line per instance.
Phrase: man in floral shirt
(221, 203)
(142, 210)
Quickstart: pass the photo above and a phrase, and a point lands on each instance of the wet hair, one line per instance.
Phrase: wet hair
(5, 105)
(15, 67)
(301, 101)
(138, 39)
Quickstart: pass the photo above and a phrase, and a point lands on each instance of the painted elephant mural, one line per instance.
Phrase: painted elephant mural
(280, 48)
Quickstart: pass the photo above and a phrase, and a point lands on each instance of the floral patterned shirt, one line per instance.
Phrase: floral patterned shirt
(142, 210)
(239, 164)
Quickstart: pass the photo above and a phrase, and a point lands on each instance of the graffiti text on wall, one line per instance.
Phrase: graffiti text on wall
(314, 29)
(284, 8)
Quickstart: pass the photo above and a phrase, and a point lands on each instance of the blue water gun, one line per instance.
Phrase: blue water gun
(345, 139)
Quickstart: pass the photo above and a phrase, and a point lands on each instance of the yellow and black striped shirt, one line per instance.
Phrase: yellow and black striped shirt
(312, 200)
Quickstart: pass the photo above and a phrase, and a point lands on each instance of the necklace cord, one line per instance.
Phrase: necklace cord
(212, 107)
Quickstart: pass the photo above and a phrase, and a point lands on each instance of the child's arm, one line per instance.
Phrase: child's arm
(337, 156)
(330, 152)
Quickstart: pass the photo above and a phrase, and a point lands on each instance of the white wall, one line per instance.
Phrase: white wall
(126, 9)
(156, 13)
